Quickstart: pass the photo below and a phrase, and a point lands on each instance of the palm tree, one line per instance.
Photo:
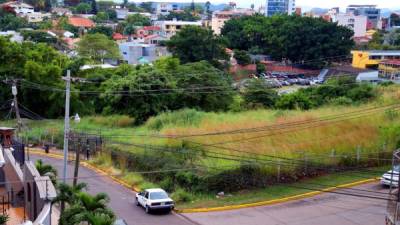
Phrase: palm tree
(3, 219)
(68, 194)
(46, 170)
(90, 209)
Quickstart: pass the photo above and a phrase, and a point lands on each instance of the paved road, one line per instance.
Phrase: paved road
(121, 199)
(332, 209)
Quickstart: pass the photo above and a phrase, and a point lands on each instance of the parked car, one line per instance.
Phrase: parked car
(154, 199)
(391, 177)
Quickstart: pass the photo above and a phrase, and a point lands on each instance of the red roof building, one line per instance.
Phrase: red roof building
(118, 37)
(80, 22)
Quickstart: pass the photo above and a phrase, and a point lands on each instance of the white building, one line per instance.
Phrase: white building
(14, 36)
(20, 8)
(170, 27)
(36, 17)
(356, 23)
(273, 7)
(140, 53)
(220, 17)
(164, 8)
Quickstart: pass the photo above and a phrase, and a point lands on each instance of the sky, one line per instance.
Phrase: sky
(393, 4)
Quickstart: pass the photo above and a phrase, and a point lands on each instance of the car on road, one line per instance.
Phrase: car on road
(154, 199)
(391, 177)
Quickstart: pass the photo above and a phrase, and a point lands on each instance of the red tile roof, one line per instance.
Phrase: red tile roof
(80, 22)
(391, 62)
(156, 28)
(118, 36)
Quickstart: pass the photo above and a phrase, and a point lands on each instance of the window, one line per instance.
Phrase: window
(375, 57)
(146, 195)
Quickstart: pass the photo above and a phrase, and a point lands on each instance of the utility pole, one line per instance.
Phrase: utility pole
(14, 91)
(78, 147)
(66, 124)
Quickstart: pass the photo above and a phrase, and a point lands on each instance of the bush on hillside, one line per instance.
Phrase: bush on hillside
(180, 118)
(259, 94)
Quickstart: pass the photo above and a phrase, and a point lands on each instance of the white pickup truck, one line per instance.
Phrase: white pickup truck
(154, 199)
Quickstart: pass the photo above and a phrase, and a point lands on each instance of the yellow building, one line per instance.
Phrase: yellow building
(371, 59)
(390, 69)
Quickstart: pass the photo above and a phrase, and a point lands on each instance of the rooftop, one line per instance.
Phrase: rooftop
(80, 22)
(362, 6)
(391, 62)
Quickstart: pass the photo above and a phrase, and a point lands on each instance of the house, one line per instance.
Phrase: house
(371, 59)
(37, 17)
(164, 8)
(81, 22)
(61, 11)
(20, 8)
(369, 77)
(23, 188)
(14, 36)
(119, 37)
(170, 27)
(140, 53)
(220, 17)
(390, 70)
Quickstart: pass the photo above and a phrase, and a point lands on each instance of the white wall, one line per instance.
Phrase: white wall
(357, 23)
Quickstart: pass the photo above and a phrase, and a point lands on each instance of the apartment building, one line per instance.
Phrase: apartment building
(356, 23)
(170, 27)
(273, 7)
(372, 13)
(220, 17)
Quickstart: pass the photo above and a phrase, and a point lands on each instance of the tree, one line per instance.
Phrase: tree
(9, 21)
(193, 44)
(204, 76)
(138, 20)
(259, 94)
(260, 68)
(38, 36)
(394, 19)
(46, 170)
(141, 104)
(147, 6)
(98, 47)
(208, 9)
(68, 194)
(302, 40)
(94, 6)
(101, 30)
(83, 8)
(242, 57)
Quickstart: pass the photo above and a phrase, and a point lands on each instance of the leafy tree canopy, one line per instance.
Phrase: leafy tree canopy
(193, 44)
(97, 47)
(299, 39)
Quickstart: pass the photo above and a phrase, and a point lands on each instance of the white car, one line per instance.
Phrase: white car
(391, 177)
(154, 199)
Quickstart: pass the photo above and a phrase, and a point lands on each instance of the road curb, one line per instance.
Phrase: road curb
(275, 201)
(89, 166)
(221, 208)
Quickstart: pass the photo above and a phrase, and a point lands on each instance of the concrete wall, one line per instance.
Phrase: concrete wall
(39, 191)
(12, 172)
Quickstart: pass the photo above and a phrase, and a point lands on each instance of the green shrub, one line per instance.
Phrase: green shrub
(181, 196)
(258, 94)
(4, 219)
(297, 100)
(167, 184)
(113, 121)
(361, 93)
(342, 101)
(180, 118)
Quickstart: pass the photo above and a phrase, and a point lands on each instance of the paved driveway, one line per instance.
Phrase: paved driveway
(325, 209)
(121, 199)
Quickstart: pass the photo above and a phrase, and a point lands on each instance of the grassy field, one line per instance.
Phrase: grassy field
(333, 136)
